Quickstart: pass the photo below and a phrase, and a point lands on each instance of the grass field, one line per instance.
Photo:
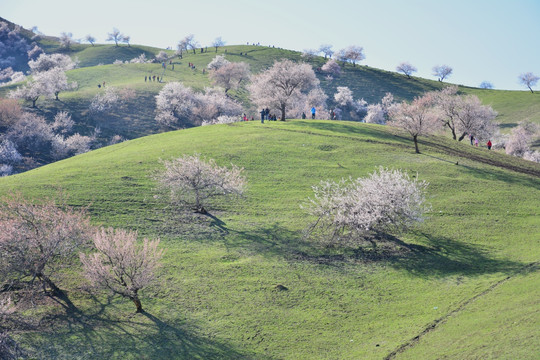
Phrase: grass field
(466, 281)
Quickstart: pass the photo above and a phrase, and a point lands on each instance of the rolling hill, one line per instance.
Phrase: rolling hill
(244, 283)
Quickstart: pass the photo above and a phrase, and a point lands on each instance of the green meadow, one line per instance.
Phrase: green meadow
(244, 283)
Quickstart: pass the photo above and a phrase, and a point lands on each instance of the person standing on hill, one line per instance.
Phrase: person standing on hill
(313, 110)
(263, 113)
(489, 144)
(303, 115)
(476, 142)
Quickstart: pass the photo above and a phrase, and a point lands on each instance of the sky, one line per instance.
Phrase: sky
(481, 40)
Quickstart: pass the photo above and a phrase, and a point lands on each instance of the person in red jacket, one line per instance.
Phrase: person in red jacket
(489, 144)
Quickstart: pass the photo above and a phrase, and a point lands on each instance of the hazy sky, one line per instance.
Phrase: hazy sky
(482, 40)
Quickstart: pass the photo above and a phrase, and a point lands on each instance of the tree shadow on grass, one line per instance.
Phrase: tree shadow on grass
(435, 257)
(116, 335)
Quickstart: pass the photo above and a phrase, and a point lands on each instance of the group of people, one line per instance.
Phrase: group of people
(152, 78)
(474, 141)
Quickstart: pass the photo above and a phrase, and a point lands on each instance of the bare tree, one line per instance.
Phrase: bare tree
(350, 211)
(37, 239)
(193, 181)
(90, 39)
(442, 71)
(120, 266)
(326, 49)
(282, 84)
(231, 75)
(406, 69)
(218, 42)
(115, 36)
(529, 80)
(418, 118)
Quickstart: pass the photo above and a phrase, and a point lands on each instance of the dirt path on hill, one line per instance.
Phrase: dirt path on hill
(436, 323)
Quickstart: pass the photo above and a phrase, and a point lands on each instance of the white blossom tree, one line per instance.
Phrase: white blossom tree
(56, 81)
(417, 118)
(442, 71)
(119, 265)
(47, 62)
(326, 49)
(283, 84)
(189, 43)
(380, 113)
(39, 238)
(350, 211)
(486, 85)
(529, 80)
(115, 35)
(178, 106)
(217, 62)
(32, 90)
(66, 39)
(231, 75)
(406, 69)
(194, 181)
(218, 42)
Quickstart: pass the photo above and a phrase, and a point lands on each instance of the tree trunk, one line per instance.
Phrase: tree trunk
(530, 89)
(47, 281)
(415, 138)
(56, 94)
(283, 112)
(462, 136)
(137, 303)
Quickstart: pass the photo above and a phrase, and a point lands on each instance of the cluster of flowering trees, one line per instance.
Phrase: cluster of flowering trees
(26, 135)
(48, 78)
(39, 238)
(463, 115)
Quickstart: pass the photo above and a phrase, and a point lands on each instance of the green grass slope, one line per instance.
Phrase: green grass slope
(466, 282)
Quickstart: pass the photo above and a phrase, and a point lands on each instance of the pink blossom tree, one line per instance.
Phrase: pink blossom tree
(331, 67)
(39, 238)
(417, 118)
(231, 75)
(193, 181)
(119, 265)
(349, 211)
(282, 84)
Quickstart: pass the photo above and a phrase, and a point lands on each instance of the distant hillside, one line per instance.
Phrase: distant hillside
(135, 118)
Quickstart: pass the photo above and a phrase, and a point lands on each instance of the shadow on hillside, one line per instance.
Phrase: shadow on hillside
(490, 158)
(367, 131)
(437, 257)
(116, 335)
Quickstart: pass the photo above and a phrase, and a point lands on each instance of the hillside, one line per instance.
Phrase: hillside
(465, 283)
(135, 118)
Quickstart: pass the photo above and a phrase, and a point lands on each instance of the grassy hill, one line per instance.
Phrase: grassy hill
(463, 285)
